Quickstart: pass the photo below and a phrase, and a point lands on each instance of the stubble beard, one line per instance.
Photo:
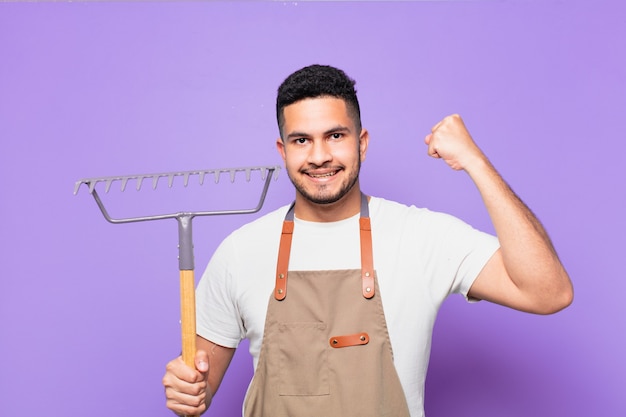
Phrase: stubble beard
(321, 197)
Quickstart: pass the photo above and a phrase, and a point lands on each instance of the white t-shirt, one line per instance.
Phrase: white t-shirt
(420, 257)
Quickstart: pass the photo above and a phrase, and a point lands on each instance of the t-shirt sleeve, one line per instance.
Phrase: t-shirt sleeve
(470, 249)
(217, 318)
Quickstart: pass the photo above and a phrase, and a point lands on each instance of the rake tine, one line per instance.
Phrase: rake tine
(186, 178)
(155, 181)
(92, 186)
(202, 173)
(232, 175)
(216, 173)
(170, 180)
(107, 186)
(248, 172)
(139, 182)
(124, 181)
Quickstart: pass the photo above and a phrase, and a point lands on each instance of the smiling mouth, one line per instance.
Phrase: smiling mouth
(321, 175)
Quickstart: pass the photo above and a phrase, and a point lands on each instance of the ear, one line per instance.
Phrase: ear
(280, 147)
(364, 139)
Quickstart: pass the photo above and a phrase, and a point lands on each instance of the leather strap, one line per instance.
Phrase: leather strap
(280, 290)
(349, 340)
(367, 257)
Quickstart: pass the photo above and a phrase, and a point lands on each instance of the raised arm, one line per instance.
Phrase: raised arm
(525, 273)
(189, 391)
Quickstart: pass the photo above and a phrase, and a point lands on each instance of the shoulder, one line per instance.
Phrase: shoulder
(252, 245)
(393, 220)
(261, 231)
(388, 211)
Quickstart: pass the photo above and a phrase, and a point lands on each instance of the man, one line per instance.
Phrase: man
(354, 282)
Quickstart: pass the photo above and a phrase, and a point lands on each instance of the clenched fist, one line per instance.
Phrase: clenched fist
(450, 141)
(186, 389)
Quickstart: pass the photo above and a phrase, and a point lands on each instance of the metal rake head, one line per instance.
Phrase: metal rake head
(154, 178)
(267, 172)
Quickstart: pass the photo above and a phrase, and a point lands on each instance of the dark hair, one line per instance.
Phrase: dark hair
(318, 81)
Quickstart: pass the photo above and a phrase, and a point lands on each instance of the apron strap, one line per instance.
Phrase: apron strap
(284, 250)
(367, 258)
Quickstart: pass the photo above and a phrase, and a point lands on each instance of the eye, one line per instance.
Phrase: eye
(300, 141)
(336, 135)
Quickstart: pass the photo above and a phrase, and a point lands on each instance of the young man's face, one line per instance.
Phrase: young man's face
(322, 149)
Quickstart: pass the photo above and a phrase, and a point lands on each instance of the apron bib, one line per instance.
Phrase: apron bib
(326, 350)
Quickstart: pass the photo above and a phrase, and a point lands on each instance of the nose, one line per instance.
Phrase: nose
(319, 153)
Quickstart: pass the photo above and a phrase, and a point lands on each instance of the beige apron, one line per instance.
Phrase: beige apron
(326, 351)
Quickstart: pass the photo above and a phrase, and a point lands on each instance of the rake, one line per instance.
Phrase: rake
(185, 238)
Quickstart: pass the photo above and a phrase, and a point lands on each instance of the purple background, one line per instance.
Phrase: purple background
(89, 310)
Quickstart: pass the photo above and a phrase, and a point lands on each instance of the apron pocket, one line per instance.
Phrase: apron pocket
(303, 349)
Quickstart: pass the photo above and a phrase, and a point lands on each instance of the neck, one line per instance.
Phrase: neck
(347, 206)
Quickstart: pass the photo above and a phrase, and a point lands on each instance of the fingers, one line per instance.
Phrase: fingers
(438, 125)
(185, 405)
(178, 370)
(438, 130)
(186, 389)
(452, 121)
(450, 141)
(185, 398)
(202, 361)
(432, 151)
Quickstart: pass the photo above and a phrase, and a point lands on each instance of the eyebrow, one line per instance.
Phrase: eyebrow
(336, 129)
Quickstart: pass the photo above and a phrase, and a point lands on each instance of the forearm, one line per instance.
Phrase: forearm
(528, 255)
(219, 358)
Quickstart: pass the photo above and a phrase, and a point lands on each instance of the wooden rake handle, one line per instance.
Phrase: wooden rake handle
(187, 289)
(188, 316)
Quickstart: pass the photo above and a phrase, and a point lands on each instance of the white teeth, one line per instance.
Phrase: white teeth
(330, 174)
